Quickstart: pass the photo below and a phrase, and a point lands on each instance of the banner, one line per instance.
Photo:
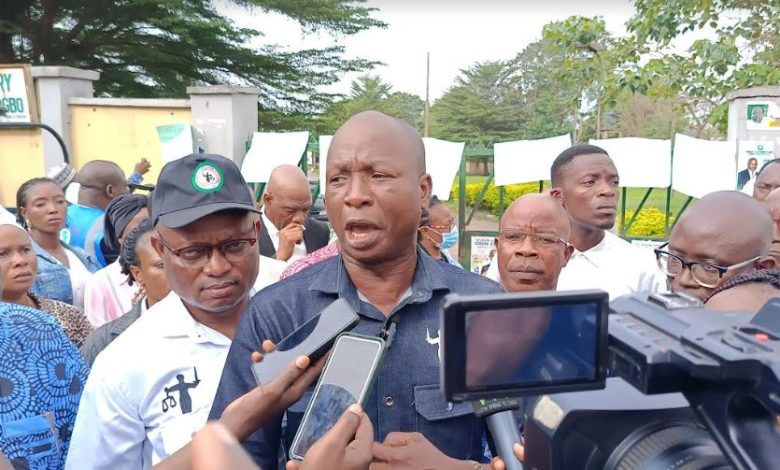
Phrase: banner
(175, 141)
(442, 161)
(271, 149)
(641, 163)
(17, 94)
(525, 161)
(703, 166)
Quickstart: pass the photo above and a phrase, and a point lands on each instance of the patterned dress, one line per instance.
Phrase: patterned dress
(71, 319)
(42, 375)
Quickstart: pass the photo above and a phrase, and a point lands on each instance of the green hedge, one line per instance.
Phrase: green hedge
(649, 223)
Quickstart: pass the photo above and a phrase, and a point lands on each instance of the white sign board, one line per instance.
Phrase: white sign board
(525, 161)
(641, 163)
(175, 141)
(442, 161)
(271, 149)
(703, 166)
(324, 147)
(17, 95)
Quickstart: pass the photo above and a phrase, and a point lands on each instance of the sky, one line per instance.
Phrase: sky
(456, 33)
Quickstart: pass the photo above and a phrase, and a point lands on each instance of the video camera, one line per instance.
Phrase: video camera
(689, 388)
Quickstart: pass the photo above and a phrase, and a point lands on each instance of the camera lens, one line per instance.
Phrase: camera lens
(669, 447)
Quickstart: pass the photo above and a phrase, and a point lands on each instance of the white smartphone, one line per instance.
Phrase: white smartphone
(347, 378)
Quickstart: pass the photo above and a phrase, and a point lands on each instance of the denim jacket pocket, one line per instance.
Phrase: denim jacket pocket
(31, 442)
(451, 427)
(53, 284)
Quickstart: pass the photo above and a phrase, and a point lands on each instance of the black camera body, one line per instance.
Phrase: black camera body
(702, 375)
(688, 388)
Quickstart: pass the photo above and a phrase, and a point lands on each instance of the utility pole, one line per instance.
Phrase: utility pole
(427, 116)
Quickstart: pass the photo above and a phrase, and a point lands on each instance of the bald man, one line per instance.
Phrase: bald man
(100, 183)
(724, 234)
(532, 246)
(768, 179)
(289, 233)
(772, 202)
(377, 186)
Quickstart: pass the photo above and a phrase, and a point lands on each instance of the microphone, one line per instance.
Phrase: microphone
(503, 427)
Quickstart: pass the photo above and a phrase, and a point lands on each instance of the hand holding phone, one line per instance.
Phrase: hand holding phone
(346, 380)
(346, 446)
(312, 339)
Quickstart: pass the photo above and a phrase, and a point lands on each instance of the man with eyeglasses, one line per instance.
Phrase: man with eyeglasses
(153, 387)
(724, 234)
(532, 246)
(768, 180)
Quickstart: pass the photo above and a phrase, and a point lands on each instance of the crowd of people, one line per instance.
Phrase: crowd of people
(130, 320)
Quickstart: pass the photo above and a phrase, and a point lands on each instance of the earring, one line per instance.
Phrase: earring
(27, 223)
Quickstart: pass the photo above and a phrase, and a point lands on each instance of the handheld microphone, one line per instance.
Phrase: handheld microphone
(503, 427)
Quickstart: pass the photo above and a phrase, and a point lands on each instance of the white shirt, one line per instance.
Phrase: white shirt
(299, 251)
(121, 421)
(614, 265)
(6, 217)
(79, 275)
(270, 271)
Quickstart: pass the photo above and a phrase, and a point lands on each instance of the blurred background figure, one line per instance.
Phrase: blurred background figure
(438, 232)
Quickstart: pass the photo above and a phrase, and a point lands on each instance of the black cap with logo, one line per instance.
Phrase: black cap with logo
(198, 185)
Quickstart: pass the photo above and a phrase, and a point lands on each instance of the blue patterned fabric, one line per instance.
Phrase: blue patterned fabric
(42, 375)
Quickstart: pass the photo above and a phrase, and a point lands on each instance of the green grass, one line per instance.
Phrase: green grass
(634, 196)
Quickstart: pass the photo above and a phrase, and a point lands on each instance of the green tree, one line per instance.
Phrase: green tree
(743, 52)
(371, 93)
(155, 48)
(484, 105)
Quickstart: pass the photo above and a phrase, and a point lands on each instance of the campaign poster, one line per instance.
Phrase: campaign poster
(482, 250)
(17, 96)
(762, 151)
(763, 116)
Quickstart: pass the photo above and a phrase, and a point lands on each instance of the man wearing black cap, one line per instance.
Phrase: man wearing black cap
(152, 388)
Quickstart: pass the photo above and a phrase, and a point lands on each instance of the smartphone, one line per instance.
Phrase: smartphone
(346, 379)
(312, 339)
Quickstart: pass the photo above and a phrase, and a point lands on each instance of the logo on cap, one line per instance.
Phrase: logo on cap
(207, 178)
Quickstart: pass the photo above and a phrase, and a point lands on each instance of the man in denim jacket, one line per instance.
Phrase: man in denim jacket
(376, 187)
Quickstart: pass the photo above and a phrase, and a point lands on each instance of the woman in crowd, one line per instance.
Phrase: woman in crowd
(437, 232)
(62, 270)
(142, 266)
(108, 294)
(19, 264)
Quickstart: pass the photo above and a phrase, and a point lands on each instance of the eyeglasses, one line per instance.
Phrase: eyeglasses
(441, 228)
(197, 256)
(517, 237)
(705, 274)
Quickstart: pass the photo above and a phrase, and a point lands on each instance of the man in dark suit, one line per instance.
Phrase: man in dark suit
(748, 174)
(289, 233)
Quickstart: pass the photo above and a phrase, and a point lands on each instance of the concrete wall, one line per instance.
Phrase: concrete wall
(122, 130)
(21, 158)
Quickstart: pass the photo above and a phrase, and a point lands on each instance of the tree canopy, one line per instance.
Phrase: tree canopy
(156, 48)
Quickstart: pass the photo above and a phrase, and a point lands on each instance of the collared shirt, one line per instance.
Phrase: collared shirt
(41, 379)
(108, 295)
(299, 251)
(614, 265)
(270, 272)
(406, 394)
(148, 391)
(104, 335)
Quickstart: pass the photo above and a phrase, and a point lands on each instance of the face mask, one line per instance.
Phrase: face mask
(449, 239)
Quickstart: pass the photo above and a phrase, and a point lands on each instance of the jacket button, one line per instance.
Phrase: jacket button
(389, 401)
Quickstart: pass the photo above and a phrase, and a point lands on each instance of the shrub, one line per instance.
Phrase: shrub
(649, 223)
(490, 200)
